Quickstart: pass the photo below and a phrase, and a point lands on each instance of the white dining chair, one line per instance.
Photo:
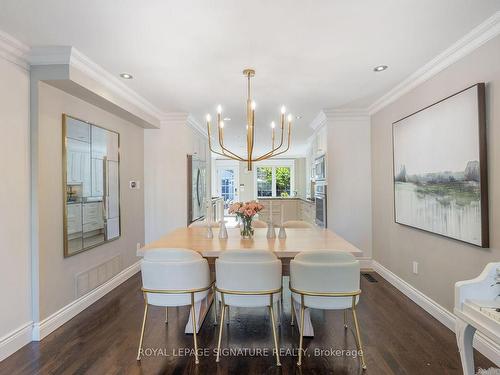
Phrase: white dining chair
(328, 280)
(248, 278)
(297, 224)
(203, 224)
(256, 223)
(173, 277)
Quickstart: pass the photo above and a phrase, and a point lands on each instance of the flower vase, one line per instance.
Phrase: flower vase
(246, 229)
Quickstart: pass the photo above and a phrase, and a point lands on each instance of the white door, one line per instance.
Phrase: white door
(227, 185)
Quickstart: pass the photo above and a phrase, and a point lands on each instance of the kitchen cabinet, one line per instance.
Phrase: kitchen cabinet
(294, 209)
(78, 164)
(74, 218)
(93, 216)
(307, 211)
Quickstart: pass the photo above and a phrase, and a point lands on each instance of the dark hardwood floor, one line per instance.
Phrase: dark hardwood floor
(399, 338)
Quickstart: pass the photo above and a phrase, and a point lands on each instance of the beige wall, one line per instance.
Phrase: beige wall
(442, 261)
(165, 175)
(349, 180)
(57, 274)
(15, 228)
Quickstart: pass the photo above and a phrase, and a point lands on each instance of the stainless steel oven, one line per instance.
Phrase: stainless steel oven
(321, 204)
(320, 168)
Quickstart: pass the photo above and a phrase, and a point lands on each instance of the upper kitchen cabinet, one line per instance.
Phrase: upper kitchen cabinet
(321, 141)
(104, 144)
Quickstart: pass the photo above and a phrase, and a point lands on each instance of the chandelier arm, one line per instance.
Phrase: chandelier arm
(269, 154)
(226, 152)
(273, 150)
(209, 133)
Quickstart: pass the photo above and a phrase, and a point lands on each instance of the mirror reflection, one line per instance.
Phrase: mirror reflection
(92, 191)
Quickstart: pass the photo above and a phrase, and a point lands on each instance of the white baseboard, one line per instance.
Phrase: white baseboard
(54, 321)
(365, 263)
(15, 340)
(483, 344)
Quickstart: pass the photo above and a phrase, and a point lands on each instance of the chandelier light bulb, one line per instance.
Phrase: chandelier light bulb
(289, 118)
(283, 109)
(219, 109)
(273, 125)
(209, 118)
(253, 105)
(221, 124)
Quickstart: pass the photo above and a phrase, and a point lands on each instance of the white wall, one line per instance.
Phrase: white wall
(165, 175)
(349, 179)
(15, 279)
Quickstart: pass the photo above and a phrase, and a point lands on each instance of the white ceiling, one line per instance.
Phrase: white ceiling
(187, 56)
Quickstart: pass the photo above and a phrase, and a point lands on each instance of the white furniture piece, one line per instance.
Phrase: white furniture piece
(297, 224)
(256, 223)
(174, 277)
(248, 278)
(328, 280)
(476, 305)
(213, 224)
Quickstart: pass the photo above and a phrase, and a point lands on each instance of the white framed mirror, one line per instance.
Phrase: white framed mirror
(91, 185)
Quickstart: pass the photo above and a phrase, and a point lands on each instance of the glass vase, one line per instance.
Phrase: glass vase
(246, 229)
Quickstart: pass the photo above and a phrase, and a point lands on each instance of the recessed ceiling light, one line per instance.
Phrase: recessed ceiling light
(380, 68)
(298, 117)
(227, 118)
(126, 76)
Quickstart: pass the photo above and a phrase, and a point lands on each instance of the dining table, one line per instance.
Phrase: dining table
(208, 244)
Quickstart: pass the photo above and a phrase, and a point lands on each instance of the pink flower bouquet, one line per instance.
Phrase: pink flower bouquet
(245, 211)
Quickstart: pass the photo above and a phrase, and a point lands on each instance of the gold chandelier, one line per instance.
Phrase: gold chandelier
(250, 128)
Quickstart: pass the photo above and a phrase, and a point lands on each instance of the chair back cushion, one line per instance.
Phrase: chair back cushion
(325, 271)
(174, 269)
(245, 271)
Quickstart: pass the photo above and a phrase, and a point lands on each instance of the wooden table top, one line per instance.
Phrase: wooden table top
(297, 240)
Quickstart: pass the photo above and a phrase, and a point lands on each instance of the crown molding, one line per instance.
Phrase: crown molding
(50, 55)
(478, 36)
(191, 121)
(107, 86)
(13, 50)
(318, 121)
(114, 84)
(347, 114)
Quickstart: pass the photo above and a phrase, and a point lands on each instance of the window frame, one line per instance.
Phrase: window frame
(273, 164)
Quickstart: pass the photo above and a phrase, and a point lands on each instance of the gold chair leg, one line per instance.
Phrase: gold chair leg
(278, 363)
(301, 328)
(215, 302)
(220, 329)
(280, 312)
(193, 321)
(166, 315)
(358, 336)
(345, 318)
(142, 331)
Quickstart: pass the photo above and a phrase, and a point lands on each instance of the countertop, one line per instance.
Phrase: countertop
(307, 200)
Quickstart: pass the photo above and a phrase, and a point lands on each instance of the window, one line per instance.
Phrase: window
(275, 180)
(264, 182)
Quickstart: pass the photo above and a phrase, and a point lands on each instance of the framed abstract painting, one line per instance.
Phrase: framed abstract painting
(440, 168)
